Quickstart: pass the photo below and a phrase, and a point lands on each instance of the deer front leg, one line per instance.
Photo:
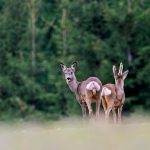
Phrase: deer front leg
(83, 106)
(119, 114)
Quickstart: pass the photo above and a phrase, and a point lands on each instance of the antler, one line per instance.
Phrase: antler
(114, 70)
(121, 68)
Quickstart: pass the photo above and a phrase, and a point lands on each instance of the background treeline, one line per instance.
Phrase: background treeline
(36, 35)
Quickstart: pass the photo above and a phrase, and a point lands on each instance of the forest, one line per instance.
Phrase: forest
(37, 35)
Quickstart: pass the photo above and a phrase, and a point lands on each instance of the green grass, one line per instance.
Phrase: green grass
(74, 134)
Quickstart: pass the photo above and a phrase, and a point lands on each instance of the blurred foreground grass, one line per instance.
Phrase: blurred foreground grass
(74, 134)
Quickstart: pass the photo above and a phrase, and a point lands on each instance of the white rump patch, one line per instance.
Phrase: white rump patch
(105, 91)
(93, 85)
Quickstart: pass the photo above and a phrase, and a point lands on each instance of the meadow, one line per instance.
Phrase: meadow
(76, 134)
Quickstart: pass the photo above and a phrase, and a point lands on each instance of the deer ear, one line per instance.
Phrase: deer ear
(74, 66)
(125, 74)
(63, 67)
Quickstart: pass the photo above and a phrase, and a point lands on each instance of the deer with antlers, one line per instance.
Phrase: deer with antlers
(113, 95)
(86, 92)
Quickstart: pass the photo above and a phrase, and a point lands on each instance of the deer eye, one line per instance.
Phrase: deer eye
(71, 72)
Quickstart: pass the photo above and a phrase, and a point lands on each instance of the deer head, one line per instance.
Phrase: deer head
(69, 72)
(120, 76)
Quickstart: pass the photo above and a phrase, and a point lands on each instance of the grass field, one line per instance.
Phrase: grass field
(74, 134)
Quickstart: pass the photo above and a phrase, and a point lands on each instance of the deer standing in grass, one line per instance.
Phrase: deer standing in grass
(113, 95)
(86, 92)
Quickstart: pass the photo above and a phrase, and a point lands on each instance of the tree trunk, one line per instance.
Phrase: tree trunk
(64, 28)
(129, 54)
(33, 33)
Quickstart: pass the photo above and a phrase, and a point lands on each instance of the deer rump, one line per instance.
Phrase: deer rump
(93, 86)
(105, 91)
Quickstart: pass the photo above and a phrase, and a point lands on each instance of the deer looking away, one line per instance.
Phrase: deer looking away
(113, 95)
(86, 92)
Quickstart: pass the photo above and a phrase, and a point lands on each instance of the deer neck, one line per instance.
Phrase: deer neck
(74, 88)
(119, 85)
(73, 85)
(119, 90)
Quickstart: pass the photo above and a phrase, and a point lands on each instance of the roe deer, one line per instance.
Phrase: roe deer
(86, 92)
(113, 95)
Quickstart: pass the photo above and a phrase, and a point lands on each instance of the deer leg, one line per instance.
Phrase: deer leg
(104, 104)
(107, 104)
(98, 108)
(88, 102)
(83, 106)
(114, 115)
(119, 114)
(107, 112)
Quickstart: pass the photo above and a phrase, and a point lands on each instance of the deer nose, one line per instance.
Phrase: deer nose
(68, 78)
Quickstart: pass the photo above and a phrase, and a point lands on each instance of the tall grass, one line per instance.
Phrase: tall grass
(74, 134)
